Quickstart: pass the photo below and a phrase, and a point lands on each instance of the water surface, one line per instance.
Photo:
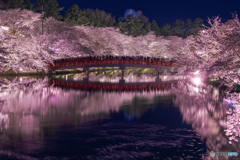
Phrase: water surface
(42, 121)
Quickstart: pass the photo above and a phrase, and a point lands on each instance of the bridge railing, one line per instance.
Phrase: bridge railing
(112, 86)
(111, 61)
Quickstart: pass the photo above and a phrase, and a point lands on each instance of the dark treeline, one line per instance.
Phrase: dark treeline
(133, 23)
(11, 4)
(179, 28)
(89, 17)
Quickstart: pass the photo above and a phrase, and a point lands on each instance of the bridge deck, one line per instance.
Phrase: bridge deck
(111, 63)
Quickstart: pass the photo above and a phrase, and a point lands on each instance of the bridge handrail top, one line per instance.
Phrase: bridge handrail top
(109, 57)
(132, 62)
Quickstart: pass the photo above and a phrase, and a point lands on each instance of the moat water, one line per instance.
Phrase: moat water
(42, 121)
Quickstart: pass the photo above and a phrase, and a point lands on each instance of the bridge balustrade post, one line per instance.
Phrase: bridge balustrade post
(86, 78)
(157, 74)
(122, 81)
(53, 74)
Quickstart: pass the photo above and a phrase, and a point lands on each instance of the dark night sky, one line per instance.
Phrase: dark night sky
(162, 11)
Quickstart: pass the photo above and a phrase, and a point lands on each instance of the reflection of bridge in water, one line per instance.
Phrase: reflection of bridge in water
(139, 86)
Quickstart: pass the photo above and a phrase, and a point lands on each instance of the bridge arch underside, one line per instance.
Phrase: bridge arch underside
(121, 66)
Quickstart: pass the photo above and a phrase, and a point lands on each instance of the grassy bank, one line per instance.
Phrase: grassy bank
(104, 70)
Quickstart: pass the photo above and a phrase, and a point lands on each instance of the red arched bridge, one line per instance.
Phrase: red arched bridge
(107, 62)
(110, 61)
(113, 86)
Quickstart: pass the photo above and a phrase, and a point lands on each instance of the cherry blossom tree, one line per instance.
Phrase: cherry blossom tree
(24, 47)
(22, 21)
(214, 51)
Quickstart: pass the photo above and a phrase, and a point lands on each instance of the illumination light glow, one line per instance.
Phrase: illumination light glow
(196, 81)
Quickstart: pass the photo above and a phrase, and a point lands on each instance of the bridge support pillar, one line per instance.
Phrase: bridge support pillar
(157, 75)
(122, 81)
(86, 78)
(53, 74)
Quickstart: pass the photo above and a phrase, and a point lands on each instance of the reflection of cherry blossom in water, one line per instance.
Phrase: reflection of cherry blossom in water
(200, 108)
(4, 121)
(233, 117)
(29, 107)
(34, 96)
(32, 103)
